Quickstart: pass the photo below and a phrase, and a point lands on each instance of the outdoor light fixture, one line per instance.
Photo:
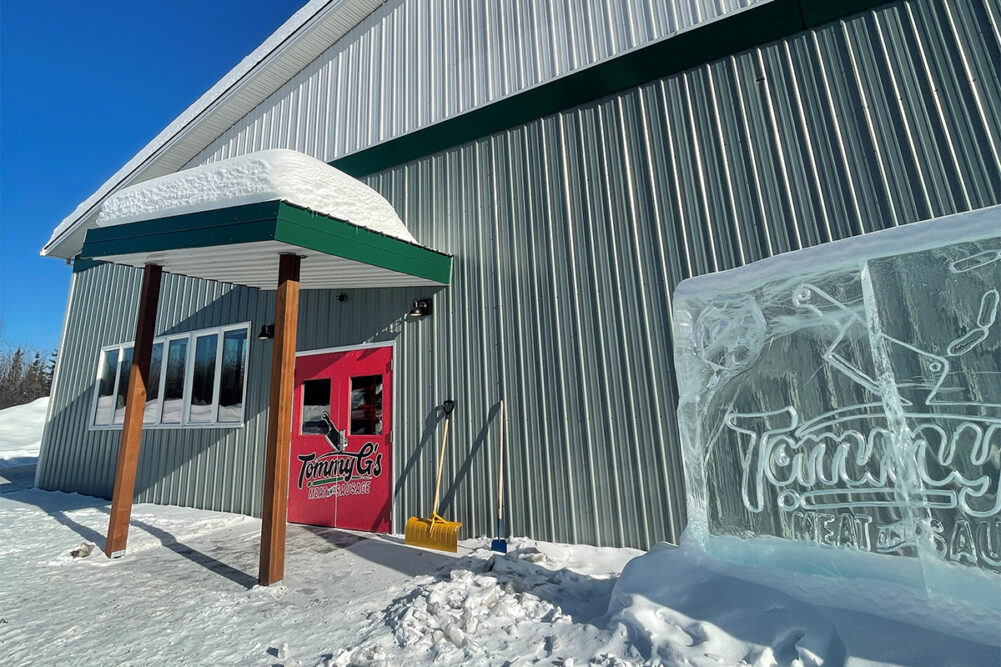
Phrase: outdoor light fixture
(421, 308)
(267, 332)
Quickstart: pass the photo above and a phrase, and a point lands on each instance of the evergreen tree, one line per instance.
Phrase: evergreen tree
(11, 384)
(33, 385)
(50, 370)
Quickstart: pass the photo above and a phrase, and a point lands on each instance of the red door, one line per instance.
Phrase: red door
(339, 472)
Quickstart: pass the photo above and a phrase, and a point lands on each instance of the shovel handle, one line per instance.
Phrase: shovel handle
(441, 455)
(500, 469)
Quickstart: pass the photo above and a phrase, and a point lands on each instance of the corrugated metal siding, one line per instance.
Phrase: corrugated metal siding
(569, 235)
(413, 63)
(208, 468)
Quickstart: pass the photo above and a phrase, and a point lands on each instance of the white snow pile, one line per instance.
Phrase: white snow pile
(680, 606)
(269, 175)
(21, 433)
(537, 602)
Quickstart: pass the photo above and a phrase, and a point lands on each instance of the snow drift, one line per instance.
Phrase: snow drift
(21, 433)
(678, 605)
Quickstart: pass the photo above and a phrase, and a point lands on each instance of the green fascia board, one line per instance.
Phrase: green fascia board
(268, 221)
(225, 226)
(81, 265)
(747, 29)
(306, 229)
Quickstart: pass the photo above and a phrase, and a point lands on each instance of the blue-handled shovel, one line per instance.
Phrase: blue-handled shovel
(500, 544)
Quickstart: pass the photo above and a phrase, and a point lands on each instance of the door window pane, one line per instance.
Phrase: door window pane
(153, 385)
(105, 399)
(315, 403)
(173, 389)
(123, 385)
(234, 355)
(366, 405)
(203, 379)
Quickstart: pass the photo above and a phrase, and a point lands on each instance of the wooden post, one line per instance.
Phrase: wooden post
(273, 517)
(135, 408)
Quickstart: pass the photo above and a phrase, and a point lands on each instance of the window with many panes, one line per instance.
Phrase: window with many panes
(196, 378)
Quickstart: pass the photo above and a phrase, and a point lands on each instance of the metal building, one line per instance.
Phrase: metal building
(577, 159)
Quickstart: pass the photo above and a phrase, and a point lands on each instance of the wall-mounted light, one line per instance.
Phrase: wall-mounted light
(421, 308)
(267, 332)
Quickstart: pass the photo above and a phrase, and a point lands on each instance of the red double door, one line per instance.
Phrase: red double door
(340, 469)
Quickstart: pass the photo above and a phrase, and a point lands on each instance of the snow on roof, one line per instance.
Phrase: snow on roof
(270, 175)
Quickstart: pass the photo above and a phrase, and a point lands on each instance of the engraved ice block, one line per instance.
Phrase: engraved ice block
(841, 405)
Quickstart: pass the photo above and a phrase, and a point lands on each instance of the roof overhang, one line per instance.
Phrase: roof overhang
(242, 244)
(299, 41)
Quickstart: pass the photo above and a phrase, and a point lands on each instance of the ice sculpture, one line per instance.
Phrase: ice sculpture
(841, 405)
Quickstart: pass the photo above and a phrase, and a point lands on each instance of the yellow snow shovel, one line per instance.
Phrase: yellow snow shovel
(435, 533)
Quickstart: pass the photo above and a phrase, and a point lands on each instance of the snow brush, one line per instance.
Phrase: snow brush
(500, 544)
(435, 532)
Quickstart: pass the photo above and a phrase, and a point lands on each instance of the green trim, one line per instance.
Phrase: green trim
(226, 226)
(81, 265)
(299, 227)
(268, 221)
(705, 43)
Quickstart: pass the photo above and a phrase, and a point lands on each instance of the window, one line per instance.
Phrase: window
(173, 389)
(366, 405)
(196, 378)
(124, 369)
(106, 386)
(234, 354)
(203, 381)
(153, 390)
(315, 404)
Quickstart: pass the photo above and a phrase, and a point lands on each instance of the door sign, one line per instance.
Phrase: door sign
(339, 472)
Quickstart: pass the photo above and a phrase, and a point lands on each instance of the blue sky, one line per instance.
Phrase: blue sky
(83, 87)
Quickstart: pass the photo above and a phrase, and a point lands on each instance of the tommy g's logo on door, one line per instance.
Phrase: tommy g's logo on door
(340, 473)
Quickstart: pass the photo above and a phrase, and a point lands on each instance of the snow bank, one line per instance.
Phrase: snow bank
(269, 175)
(535, 602)
(21, 433)
(679, 606)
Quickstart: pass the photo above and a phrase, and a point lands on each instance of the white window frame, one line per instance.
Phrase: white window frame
(191, 336)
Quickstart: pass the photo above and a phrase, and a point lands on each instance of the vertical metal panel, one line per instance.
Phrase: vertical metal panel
(569, 234)
(564, 270)
(411, 64)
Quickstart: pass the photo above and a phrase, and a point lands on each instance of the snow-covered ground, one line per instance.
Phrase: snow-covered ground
(21, 433)
(185, 594)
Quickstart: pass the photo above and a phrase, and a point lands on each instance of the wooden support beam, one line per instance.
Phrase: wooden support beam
(135, 408)
(275, 510)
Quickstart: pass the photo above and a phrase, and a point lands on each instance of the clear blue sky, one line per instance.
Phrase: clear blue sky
(83, 87)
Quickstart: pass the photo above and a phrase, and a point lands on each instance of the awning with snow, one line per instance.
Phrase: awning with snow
(231, 220)
(275, 220)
